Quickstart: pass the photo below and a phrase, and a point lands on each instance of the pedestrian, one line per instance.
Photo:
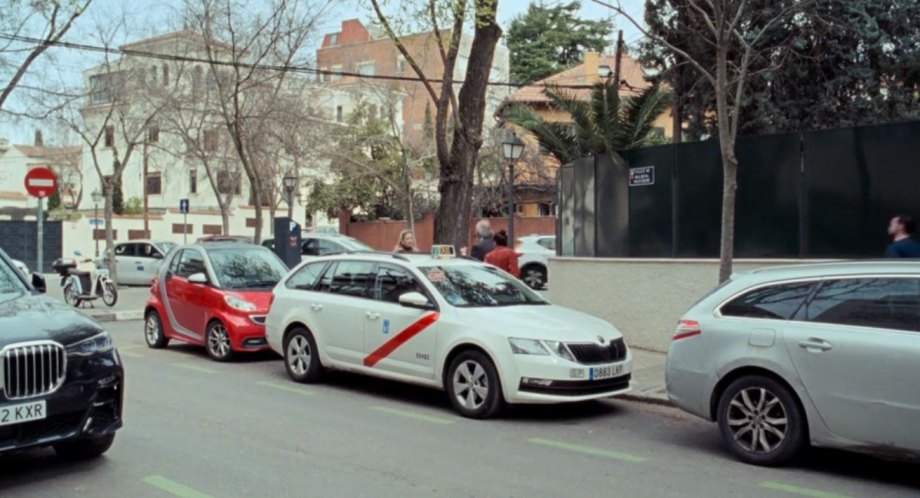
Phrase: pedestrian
(485, 243)
(901, 229)
(406, 242)
(503, 256)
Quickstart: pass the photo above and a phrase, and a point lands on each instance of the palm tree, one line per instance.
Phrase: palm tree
(604, 124)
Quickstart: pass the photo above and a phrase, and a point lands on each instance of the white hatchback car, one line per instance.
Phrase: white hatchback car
(445, 322)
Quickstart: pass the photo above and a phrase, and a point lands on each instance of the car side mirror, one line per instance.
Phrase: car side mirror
(198, 278)
(157, 255)
(38, 281)
(415, 300)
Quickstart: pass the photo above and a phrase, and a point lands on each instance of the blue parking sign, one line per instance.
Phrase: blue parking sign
(183, 206)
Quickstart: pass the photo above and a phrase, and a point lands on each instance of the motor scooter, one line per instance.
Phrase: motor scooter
(85, 280)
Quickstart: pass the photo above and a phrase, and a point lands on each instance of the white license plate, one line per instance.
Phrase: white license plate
(26, 412)
(601, 373)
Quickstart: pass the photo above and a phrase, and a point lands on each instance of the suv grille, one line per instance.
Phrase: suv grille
(32, 369)
(591, 354)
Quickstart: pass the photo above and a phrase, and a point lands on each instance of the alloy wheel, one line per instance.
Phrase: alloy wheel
(471, 385)
(533, 278)
(757, 420)
(152, 329)
(299, 355)
(219, 341)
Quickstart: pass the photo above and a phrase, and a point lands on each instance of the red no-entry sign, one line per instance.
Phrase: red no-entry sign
(41, 182)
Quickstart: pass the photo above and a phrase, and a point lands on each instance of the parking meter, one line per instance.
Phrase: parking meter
(288, 241)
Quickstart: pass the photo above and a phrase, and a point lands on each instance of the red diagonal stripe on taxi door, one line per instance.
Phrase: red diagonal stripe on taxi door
(400, 339)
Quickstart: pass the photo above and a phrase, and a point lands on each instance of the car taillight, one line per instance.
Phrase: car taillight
(271, 300)
(687, 329)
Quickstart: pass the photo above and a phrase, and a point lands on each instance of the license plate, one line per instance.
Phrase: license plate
(601, 373)
(26, 412)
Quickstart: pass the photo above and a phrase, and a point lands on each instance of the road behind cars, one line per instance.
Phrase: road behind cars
(227, 430)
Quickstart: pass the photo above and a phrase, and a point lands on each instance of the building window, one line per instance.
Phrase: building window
(212, 82)
(336, 72)
(193, 181)
(323, 75)
(400, 64)
(334, 39)
(339, 114)
(197, 80)
(368, 68)
(180, 228)
(154, 184)
(153, 134)
(137, 235)
(250, 222)
(210, 140)
(109, 136)
(153, 76)
(229, 182)
(105, 88)
(212, 229)
(99, 234)
(165, 74)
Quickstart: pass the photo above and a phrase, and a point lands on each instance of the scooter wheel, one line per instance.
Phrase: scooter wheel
(109, 294)
(70, 296)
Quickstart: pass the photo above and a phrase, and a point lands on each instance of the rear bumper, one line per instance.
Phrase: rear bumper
(89, 405)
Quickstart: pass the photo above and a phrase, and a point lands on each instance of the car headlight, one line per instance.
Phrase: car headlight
(528, 346)
(96, 344)
(239, 304)
(560, 349)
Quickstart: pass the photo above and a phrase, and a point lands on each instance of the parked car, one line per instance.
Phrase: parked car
(224, 238)
(324, 244)
(61, 378)
(534, 252)
(138, 261)
(449, 323)
(823, 354)
(21, 267)
(214, 295)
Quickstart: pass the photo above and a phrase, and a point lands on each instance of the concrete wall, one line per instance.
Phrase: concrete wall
(644, 298)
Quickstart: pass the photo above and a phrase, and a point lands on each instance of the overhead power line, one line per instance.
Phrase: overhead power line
(262, 67)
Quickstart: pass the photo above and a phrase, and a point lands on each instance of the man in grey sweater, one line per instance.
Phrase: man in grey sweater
(485, 244)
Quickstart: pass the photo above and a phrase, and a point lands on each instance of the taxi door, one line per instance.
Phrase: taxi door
(398, 339)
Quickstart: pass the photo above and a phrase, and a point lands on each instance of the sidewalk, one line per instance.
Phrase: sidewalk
(130, 305)
(648, 377)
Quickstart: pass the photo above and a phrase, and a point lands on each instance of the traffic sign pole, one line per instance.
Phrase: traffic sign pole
(185, 228)
(41, 235)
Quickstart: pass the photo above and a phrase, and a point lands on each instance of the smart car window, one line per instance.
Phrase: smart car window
(254, 267)
(892, 303)
(191, 263)
(353, 278)
(306, 278)
(392, 282)
(779, 302)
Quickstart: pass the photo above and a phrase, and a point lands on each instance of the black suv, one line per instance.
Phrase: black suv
(61, 379)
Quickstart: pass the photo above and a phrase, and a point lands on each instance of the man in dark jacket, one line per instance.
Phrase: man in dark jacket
(901, 228)
(485, 244)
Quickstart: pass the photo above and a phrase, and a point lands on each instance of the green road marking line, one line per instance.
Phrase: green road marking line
(194, 368)
(130, 354)
(282, 387)
(587, 450)
(173, 487)
(413, 415)
(796, 490)
(130, 347)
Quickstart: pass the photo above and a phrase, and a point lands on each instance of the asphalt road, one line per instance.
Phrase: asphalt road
(195, 428)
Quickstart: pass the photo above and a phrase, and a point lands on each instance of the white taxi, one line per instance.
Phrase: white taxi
(445, 322)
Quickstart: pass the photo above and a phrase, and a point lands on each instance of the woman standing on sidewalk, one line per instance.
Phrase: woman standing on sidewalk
(503, 256)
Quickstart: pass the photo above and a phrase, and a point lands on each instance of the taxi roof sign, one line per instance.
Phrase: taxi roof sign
(442, 252)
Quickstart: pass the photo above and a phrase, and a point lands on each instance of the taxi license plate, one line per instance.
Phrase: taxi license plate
(26, 412)
(601, 373)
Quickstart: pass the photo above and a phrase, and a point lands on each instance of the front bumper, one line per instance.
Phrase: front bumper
(568, 382)
(246, 335)
(88, 405)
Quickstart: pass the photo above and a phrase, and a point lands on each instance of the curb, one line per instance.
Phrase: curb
(118, 316)
(651, 399)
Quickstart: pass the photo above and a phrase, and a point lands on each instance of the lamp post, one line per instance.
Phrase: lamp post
(512, 148)
(97, 197)
(289, 183)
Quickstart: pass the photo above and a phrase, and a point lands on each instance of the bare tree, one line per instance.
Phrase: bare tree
(459, 115)
(53, 18)
(726, 27)
(240, 43)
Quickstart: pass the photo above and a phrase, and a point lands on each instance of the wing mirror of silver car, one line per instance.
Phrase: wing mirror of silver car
(198, 278)
(415, 300)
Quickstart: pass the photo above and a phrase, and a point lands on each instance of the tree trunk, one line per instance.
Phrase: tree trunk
(729, 166)
(225, 219)
(109, 235)
(452, 223)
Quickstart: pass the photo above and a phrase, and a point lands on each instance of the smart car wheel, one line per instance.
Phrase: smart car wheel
(301, 358)
(84, 448)
(760, 421)
(217, 342)
(153, 331)
(473, 385)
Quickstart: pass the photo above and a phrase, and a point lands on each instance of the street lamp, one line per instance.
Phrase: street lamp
(289, 183)
(512, 148)
(97, 198)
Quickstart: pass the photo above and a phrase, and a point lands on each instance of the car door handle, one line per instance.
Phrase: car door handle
(815, 344)
(316, 307)
(372, 315)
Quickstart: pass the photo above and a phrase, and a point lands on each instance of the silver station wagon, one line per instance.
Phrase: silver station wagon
(823, 354)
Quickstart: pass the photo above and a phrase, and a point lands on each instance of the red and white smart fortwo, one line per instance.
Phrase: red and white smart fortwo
(215, 295)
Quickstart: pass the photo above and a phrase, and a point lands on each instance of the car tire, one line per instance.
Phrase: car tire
(217, 342)
(84, 449)
(301, 357)
(473, 385)
(153, 331)
(761, 422)
(534, 276)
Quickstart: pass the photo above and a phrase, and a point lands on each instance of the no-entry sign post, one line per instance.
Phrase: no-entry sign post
(41, 182)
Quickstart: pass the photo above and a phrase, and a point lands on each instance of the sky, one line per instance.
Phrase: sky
(63, 67)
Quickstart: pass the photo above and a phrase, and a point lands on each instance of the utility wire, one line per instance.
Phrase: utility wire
(264, 67)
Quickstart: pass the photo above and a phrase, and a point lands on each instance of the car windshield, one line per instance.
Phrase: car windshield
(11, 285)
(247, 267)
(165, 247)
(472, 286)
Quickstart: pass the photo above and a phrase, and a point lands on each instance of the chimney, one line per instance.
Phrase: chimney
(592, 63)
(38, 138)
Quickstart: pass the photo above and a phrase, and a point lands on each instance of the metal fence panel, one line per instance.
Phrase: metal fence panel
(651, 206)
(567, 215)
(699, 193)
(20, 241)
(585, 221)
